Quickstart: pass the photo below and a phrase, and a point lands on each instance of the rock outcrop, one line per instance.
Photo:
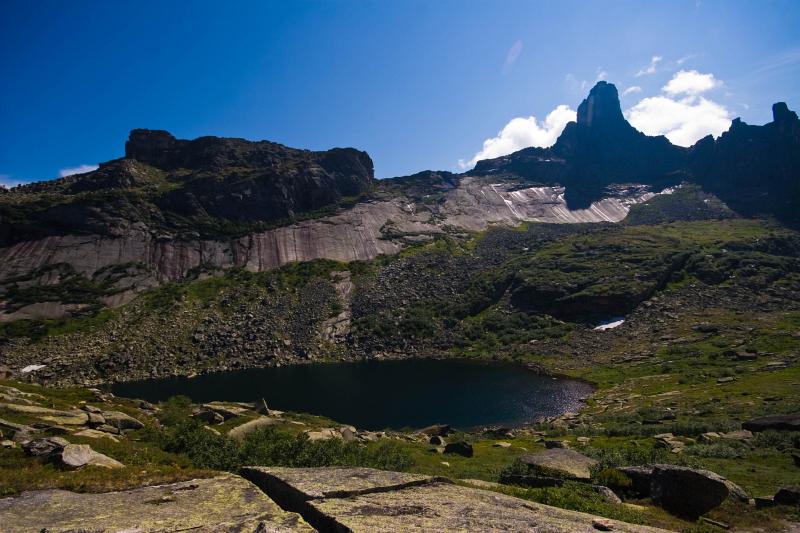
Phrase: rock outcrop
(363, 499)
(789, 422)
(225, 503)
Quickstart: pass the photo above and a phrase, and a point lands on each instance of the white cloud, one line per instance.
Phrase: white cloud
(690, 82)
(523, 132)
(601, 74)
(80, 169)
(651, 68)
(685, 119)
(512, 56)
(631, 90)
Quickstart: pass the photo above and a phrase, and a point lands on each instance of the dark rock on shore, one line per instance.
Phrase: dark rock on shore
(789, 422)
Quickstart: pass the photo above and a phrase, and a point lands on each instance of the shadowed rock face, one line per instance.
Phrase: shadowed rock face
(599, 149)
(172, 185)
(755, 169)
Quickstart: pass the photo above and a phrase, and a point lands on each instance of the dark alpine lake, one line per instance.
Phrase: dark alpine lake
(377, 395)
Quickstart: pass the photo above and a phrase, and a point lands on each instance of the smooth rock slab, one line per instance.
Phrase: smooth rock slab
(446, 507)
(561, 462)
(221, 504)
(120, 420)
(240, 431)
(70, 418)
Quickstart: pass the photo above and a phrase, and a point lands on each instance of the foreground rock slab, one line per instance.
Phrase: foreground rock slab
(221, 504)
(363, 499)
(446, 507)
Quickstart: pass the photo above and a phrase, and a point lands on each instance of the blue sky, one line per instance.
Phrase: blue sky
(417, 84)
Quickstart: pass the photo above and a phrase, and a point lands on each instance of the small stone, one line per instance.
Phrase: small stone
(502, 444)
(602, 524)
(436, 440)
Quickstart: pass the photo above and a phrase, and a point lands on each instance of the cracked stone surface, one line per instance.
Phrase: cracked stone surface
(221, 504)
(446, 507)
(334, 482)
(364, 499)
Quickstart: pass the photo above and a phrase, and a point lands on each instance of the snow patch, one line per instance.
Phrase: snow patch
(32, 368)
(610, 324)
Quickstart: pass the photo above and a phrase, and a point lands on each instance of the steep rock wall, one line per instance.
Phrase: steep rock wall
(359, 233)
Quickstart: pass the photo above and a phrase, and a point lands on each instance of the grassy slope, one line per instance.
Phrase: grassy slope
(681, 376)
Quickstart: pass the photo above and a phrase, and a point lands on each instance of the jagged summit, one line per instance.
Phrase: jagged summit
(601, 107)
(755, 169)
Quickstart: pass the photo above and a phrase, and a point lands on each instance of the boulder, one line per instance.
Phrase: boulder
(687, 492)
(46, 447)
(121, 421)
(78, 455)
(560, 462)
(6, 372)
(551, 444)
(209, 417)
(94, 434)
(789, 422)
(461, 447)
(788, 495)
(348, 433)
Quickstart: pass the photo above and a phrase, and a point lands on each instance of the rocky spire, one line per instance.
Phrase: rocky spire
(601, 108)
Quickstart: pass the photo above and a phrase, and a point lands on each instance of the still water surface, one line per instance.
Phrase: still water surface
(385, 394)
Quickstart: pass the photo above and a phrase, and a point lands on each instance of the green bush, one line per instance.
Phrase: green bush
(611, 477)
(272, 447)
(718, 450)
(175, 411)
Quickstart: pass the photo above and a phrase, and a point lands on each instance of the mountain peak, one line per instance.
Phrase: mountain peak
(601, 106)
(781, 113)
